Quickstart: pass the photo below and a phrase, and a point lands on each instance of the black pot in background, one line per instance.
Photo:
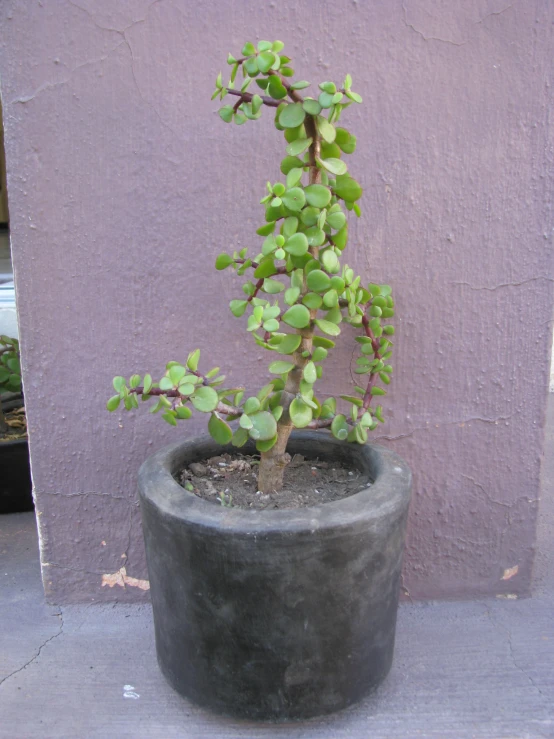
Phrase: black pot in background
(15, 472)
(278, 614)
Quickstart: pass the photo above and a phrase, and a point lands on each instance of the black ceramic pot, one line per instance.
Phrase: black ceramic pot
(277, 614)
(15, 472)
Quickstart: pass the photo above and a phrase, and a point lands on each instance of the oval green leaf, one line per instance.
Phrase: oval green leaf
(292, 115)
(205, 399)
(298, 316)
(219, 430)
(300, 413)
(318, 195)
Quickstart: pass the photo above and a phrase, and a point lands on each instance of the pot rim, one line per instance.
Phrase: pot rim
(387, 495)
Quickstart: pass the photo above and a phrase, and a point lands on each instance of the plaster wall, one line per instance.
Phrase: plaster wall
(124, 184)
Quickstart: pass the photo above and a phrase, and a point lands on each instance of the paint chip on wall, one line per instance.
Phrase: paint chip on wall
(122, 579)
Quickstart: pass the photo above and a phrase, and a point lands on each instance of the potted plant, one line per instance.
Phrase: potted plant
(266, 611)
(15, 474)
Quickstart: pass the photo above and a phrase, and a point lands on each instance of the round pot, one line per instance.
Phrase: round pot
(277, 614)
(15, 473)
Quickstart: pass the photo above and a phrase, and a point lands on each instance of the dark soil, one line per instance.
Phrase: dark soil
(16, 423)
(232, 481)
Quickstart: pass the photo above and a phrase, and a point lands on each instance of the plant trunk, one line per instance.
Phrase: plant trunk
(274, 462)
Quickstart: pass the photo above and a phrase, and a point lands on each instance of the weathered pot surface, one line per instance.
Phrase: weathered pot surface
(275, 614)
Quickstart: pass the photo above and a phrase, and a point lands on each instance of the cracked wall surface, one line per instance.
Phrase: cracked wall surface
(124, 185)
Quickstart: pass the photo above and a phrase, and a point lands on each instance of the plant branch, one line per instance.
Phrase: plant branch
(155, 391)
(246, 97)
(373, 376)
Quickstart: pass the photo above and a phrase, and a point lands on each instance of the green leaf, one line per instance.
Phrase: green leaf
(245, 422)
(327, 327)
(186, 388)
(312, 300)
(238, 307)
(326, 129)
(297, 245)
(290, 225)
(251, 405)
(312, 107)
(294, 177)
(330, 261)
(335, 166)
(297, 316)
(272, 287)
(300, 85)
(226, 113)
(378, 391)
(347, 188)
(315, 236)
(169, 416)
(336, 220)
(264, 426)
(183, 412)
(240, 437)
(298, 146)
(265, 446)
(325, 99)
(219, 430)
(291, 295)
(146, 384)
(318, 195)
(294, 199)
(319, 354)
(276, 88)
(165, 383)
(265, 60)
(193, 359)
(318, 281)
(266, 268)
(292, 115)
(309, 373)
(288, 344)
(289, 163)
(323, 342)
(119, 383)
(176, 373)
(266, 229)
(354, 96)
(113, 403)
(280, 367)
(223, 261)
(339, 427)
(331, 299)
(205, 399)
(248, 49)
(328, 408)
(300, 413)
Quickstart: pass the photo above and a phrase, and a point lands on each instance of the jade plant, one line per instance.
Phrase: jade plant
(297, 292)
(10, 372)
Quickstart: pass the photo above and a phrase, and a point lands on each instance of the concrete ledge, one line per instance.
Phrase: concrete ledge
(469, 669)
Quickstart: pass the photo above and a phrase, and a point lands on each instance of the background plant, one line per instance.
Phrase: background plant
(297, 293)
(10, 372)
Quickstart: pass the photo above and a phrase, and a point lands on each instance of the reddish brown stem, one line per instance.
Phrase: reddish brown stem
(246, 97)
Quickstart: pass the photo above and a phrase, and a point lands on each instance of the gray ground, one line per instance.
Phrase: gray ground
(473, 669)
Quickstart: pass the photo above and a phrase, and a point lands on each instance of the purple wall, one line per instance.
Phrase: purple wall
(124, 185)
